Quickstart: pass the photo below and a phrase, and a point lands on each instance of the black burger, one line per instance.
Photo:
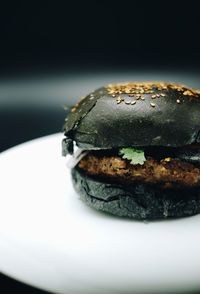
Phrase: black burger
(137, 149)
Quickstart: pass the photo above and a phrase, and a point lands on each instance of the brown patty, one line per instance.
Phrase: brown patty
(168, 172)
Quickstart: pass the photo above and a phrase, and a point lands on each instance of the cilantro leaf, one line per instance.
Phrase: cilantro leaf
(135, 155)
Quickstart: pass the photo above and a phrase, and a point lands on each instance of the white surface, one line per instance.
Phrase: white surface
(50, 239)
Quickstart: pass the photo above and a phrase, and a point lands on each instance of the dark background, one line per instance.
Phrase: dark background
(52, 42)
(54, 35)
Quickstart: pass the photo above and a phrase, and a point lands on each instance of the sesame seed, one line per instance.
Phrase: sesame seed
(178, 101)
(153, 96)
(133, 102)
(152, 104)
(142, 98)
(118, 101)
(131, 88)
(113, 95)
(188, 93)
(167, 159)
(127, 102)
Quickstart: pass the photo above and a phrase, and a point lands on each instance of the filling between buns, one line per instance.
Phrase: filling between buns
(171, 168)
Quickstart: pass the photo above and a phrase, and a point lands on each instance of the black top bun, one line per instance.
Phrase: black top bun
(135, 114)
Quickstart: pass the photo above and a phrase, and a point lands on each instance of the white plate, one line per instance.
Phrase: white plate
(52, 240)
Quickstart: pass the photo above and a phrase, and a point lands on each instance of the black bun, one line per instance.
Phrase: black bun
(138, 200)
(136, 114)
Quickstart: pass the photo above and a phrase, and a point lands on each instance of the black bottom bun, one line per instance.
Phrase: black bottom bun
(137, 200)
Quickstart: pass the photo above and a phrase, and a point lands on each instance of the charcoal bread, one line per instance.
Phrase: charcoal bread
(135, 114)
(137, 200)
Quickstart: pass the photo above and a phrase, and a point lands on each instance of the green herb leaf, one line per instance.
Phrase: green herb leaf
(135, 155)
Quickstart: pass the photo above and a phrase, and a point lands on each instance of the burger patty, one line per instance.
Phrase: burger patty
(169, 172)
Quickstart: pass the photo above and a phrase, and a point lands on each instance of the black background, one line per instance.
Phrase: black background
(45, 37)
(56, 34)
